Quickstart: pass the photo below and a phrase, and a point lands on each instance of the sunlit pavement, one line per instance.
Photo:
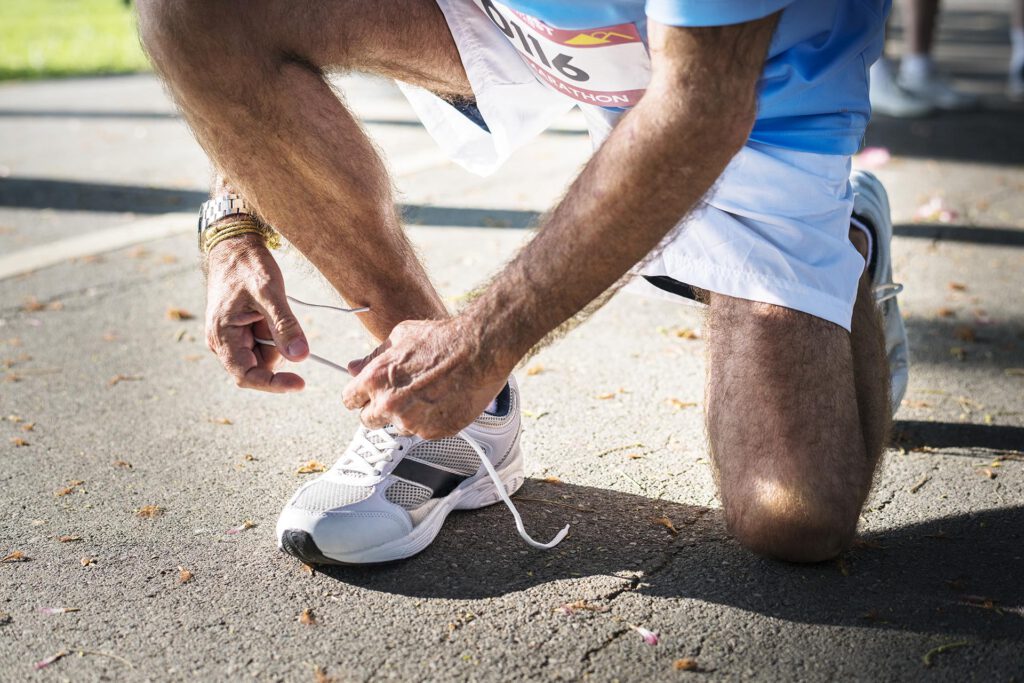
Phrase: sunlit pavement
(113, 404)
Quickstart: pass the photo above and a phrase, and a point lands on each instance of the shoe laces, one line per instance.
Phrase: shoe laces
(373, 448)
(886, 291)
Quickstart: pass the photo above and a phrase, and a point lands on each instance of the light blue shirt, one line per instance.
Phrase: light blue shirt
(813, 93)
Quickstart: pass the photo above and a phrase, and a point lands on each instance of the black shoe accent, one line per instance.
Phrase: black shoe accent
(301, 545)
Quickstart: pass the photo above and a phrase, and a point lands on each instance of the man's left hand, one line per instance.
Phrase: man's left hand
(430, 378)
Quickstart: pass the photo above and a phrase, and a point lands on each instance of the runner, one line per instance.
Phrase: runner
(723, 133)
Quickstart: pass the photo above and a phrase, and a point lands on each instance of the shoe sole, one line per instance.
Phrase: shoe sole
(470, 495)
(874, 192)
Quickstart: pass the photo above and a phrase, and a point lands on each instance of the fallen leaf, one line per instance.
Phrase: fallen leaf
(667, 523)
(957, 286)
(965, 333)
(605, 396)
(16, 556)
(168, 258)
(552, 480)
(43, 663)
(534, 369)
(124, 465)
(87, 561)
(69, 539)
(244, 526)
(917, 487)
(179, 314)
(28, 427)
(149, 511)
(248, 457)
(678, 405)
(72, 487)
(193, 357)
(15, 418)
(320, 675)
(634, 456)
(650, 637)
(686, 333)
(19, 442)
(929, 656)
(987, 472)
(221, 421)
(12, 377)
(58, 610)
(118, 378)
(308, 568)
(184, 575)
(686, 664)
(307, 617)
(32, 305)
(312, 467)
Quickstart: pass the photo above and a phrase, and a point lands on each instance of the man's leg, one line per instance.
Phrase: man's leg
(249, 80)
(798, 414)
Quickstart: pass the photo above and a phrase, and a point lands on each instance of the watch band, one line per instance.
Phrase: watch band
(214, 209)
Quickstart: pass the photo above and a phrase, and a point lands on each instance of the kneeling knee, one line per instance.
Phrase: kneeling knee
(792, 534)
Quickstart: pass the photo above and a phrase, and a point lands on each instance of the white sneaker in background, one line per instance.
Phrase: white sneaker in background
(889, 99)
(930, 86)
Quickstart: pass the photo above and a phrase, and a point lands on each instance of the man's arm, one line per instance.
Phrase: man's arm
(653, 169)
(434, 377)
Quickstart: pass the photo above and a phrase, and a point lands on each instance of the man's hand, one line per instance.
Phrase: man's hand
(430, 378)
(245, 299)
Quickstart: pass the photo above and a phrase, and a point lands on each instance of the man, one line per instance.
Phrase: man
(723, 171)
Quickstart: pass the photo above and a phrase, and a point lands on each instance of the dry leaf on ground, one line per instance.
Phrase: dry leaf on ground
(244, 526)
(123, 464)
(87, 561)
(184, 575)
(19, 442)
(311, 467)
(307, 617)
(320, 676)
(179, 314)
(678, 405)
(118, 378)
(16, 556)
(667, 523)
(957, 287)
(58, 610)
(149, 511)
(72, 487)
(685, 664)
(552, 480)
(535, 369)
(69, 539)
(221, 421)
(687, 333)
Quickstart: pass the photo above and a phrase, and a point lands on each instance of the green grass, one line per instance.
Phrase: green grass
(52, 38)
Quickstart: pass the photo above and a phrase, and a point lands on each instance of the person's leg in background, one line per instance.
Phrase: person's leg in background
(914, 87)
(1015, 85)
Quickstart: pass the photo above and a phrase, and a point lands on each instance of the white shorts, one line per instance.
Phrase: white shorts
(774, 229)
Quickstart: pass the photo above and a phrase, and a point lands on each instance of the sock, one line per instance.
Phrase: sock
(1016, 48)
(869, 260)
(915, 68)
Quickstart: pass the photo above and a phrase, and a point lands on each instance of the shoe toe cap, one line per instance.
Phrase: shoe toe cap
(338, 533)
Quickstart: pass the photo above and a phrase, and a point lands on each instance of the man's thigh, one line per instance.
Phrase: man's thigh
(408, 40)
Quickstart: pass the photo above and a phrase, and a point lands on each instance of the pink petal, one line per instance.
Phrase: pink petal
(650, 637)
(43, 663)
(873, 157)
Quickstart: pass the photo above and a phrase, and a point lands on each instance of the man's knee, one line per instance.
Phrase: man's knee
(788, 524)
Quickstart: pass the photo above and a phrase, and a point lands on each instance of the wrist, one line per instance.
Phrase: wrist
(495, 345)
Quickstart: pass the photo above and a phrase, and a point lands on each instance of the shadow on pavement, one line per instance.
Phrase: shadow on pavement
(960, 339)
(974, 234)
(958, 575)
(988, 136)
(911, 434)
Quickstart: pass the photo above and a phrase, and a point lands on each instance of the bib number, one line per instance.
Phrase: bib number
(605, 66)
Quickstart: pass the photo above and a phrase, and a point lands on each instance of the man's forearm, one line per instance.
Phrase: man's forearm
(650, 172)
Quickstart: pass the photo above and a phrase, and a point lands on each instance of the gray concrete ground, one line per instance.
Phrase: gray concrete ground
(103, 389)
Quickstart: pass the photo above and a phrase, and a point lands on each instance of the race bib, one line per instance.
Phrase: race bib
(606, 66)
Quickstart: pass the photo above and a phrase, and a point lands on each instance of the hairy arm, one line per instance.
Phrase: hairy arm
(434, 377)
(654, 167)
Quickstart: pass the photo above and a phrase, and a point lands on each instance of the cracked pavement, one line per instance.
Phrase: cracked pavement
(129, 403)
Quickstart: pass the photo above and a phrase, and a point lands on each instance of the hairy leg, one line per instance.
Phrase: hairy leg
(249, 79)
(797, 418)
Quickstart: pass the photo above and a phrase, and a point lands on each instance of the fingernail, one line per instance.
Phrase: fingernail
(297, 347)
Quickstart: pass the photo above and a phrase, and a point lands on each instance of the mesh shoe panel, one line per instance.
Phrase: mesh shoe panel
(497, 421)
(322, 496)
(452, 453)
(407, 495)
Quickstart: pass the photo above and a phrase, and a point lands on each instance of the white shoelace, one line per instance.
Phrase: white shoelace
(367, 453)
(886, 291)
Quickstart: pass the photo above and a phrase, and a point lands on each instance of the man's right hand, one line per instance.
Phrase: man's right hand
(245, 299)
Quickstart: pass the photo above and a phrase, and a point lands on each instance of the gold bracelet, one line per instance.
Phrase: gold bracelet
(244, 225)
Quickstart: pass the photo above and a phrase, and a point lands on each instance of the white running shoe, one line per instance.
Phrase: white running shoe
(389, 494)
(888, 98)
(937, 91)
(871, 208)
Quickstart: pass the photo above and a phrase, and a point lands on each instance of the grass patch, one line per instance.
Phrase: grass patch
(52, 38)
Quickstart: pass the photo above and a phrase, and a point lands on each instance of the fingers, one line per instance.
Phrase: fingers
(283, 325)
(251, 365)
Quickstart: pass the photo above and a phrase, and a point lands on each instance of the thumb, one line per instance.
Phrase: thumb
(284, 326)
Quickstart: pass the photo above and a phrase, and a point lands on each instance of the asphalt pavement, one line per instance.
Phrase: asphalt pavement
(140, 487)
